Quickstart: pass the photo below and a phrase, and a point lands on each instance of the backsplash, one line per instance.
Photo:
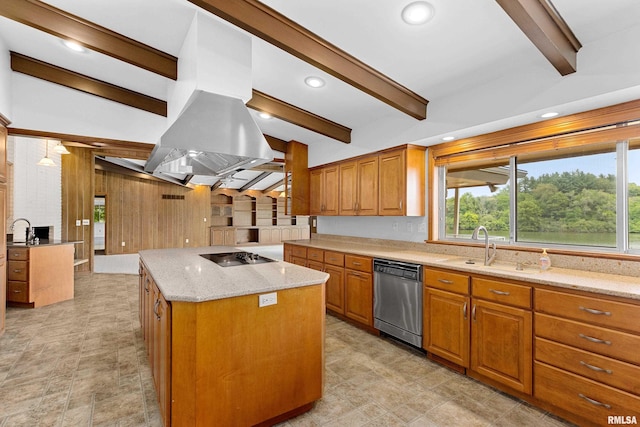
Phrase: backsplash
(577, 262)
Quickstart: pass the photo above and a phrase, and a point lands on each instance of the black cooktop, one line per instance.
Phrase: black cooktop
(228, 259)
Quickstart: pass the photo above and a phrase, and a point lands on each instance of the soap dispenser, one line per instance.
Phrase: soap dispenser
(545, 261)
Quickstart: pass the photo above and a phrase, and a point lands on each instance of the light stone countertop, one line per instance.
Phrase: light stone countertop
(183, 275)
(600, 283)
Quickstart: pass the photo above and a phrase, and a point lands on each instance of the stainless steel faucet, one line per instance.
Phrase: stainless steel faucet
(487, 259)
(31, 235)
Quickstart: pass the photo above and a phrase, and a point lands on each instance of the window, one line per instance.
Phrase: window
(572, 190)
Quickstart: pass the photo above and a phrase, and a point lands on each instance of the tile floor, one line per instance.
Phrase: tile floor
(83, 363)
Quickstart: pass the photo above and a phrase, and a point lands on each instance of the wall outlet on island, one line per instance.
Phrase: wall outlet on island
(122, 243)
(267, 299)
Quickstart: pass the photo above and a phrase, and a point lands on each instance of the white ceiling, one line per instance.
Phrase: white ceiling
(477, 69)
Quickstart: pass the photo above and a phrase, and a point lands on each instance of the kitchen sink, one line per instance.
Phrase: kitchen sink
(495, 266)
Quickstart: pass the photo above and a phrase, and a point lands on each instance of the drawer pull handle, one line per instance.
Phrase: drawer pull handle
(595, 340)
(473, 313)
(594, 402)
(445, 281)
(594, 311)
(464, 310)
(595, 368)
(356, 263)
(499, 292)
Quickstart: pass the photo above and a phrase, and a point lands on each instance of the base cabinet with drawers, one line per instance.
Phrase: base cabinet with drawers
(480, 324)
(39, 275)
(591, 347)
(349, 290)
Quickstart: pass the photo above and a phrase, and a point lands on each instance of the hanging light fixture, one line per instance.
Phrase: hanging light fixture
(61, 149)
(46, 161)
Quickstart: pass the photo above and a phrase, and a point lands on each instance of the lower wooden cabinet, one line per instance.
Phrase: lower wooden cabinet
(334, 288)
(489, 332)
(446, 325)
(358, 296)
(590, 346)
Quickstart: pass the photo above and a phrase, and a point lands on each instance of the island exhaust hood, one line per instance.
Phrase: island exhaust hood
(212, 133)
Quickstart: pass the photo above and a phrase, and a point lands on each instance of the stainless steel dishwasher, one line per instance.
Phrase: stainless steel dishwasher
(397, 305)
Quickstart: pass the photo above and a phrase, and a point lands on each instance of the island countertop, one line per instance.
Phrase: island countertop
(42, 243)
(183, 275)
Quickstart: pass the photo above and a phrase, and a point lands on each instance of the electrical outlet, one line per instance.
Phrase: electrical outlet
(267, 299)
(86, 222)
(410, 227)
(186, 240)
(395, 226)
(122, 243)
(205, 219)
(422, 228)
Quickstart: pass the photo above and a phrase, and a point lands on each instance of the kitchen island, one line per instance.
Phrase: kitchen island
(39, 275)
(240, 345)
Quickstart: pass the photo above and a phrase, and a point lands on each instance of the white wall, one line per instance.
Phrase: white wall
(5, 80)
(37, 190)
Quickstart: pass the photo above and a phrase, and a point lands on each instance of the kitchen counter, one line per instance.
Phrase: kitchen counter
(601, 283)
(43, 243)
(183, 275)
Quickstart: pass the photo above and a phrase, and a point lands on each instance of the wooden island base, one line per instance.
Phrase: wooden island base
(39, 275)
(229, 362)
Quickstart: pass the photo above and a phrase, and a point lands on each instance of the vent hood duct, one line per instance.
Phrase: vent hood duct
(212, 132)
(214, 135)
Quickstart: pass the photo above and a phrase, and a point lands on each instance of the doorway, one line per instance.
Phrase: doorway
(99, 224)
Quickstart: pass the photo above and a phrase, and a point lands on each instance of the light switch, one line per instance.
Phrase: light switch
(78, 223)
(85, 222)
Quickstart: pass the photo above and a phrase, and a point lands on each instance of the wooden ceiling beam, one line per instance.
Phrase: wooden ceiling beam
(66, 26)
(297, 116)
(130, 149)
(275, 28)
(276, 144)
(71, 79)
(542, 24)
(254, 181)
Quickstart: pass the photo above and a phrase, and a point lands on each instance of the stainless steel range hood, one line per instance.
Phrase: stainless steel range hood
(214, 135)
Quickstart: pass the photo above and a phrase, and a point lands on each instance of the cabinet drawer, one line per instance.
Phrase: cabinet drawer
(358, 263)
(616, 344)
(447, 281)
(586, 398)
(334, 258)
(19, 254)
(298, 251)
(17, 292)
(18, 270)
(502, 292)
(600, 368)
(315, 254)
(592, 310)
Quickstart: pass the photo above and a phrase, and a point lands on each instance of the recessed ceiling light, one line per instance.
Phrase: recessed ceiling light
(418, 13)
(448, 138)
(266, 116)
(76, 47)
(549, 114)
(313, 81)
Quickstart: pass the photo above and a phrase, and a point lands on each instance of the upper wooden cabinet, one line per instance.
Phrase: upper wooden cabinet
(402, 182)
(359, 187)
(389, 183)
(324, 191)
(3, 152)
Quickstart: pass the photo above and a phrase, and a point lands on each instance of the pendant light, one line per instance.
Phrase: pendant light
(46, 161)
(61, 149)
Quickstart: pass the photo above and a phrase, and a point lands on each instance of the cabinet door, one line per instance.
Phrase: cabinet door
(230, 236)
(501, 341)
(331, 190)
(299, 261)
(446, 325)
(392, 183)
(367, 193)
(162, 367)
(217, 237)
(334, 289)
(359, 296)
(316, 191)
(348, 188)
(276, 236)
